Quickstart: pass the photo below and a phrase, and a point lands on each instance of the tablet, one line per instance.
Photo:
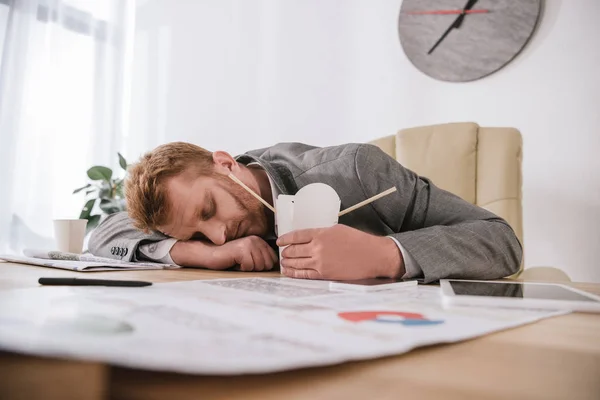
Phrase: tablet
(548, 296)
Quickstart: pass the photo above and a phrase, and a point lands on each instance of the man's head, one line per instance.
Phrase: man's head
(184, 191)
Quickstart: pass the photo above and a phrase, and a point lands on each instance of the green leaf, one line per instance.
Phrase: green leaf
(122, 162)
(81, 188)
(99, 172)
(90, 191)
(87, 209)
(92, 222)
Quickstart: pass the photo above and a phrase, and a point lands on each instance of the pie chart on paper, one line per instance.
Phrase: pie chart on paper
(389, 317)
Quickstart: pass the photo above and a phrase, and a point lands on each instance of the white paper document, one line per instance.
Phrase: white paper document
(84, 263)
(237, 326)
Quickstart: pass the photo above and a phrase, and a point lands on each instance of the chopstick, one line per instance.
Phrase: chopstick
(242, 184)
(346, 211)
(367, 201)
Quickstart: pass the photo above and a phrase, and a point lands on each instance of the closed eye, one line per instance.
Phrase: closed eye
(204, 215)
(209, 210)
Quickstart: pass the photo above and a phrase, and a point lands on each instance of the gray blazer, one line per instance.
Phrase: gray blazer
(446, 236)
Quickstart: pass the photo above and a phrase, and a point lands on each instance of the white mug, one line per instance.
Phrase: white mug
(69, 235)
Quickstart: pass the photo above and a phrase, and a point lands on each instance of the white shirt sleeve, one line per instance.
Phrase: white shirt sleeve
(411, 268)
(157, 251)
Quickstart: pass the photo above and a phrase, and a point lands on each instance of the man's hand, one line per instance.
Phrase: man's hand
(251, 253)
(339, 253)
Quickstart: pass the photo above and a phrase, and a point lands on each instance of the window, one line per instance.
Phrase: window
(65, 65)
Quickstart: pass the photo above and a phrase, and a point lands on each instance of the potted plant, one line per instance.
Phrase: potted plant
(105, 190)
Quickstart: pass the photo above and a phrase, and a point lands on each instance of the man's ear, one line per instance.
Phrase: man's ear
(224, 163)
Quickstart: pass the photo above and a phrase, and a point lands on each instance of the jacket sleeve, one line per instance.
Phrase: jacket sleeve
(445, 235)
(116, 237)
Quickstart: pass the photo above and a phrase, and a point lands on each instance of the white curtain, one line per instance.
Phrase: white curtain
(63, 106)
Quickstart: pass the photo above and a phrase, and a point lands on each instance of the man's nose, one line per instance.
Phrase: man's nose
(216, 233)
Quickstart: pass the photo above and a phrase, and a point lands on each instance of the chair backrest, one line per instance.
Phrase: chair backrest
(481, 165)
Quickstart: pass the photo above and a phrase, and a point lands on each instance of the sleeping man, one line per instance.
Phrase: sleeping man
(184, 209)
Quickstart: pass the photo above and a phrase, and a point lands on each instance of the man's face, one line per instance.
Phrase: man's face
(212, 208)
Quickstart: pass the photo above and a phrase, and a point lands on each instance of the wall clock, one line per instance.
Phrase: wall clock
(465, 40)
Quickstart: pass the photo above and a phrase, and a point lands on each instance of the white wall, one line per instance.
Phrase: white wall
(243, 74)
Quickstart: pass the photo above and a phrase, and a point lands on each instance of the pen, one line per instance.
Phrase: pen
(91, 282)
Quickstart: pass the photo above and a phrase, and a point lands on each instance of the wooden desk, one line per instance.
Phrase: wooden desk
(554, 358)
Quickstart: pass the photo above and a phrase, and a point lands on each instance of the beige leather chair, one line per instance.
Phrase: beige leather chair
(481, 165)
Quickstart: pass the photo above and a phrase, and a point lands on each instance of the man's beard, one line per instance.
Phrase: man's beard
(251, 208)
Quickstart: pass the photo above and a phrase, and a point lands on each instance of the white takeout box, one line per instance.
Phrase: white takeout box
(314, 206)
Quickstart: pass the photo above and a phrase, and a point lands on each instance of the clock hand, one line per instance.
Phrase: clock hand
(454, 24)
(442, 38)
(470, 4)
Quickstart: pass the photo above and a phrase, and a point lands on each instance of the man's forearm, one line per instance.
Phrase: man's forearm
(251, 253)
(195, 253)
(469, 250)
(116, 237)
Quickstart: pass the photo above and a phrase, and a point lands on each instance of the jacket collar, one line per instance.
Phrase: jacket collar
(279, 173)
